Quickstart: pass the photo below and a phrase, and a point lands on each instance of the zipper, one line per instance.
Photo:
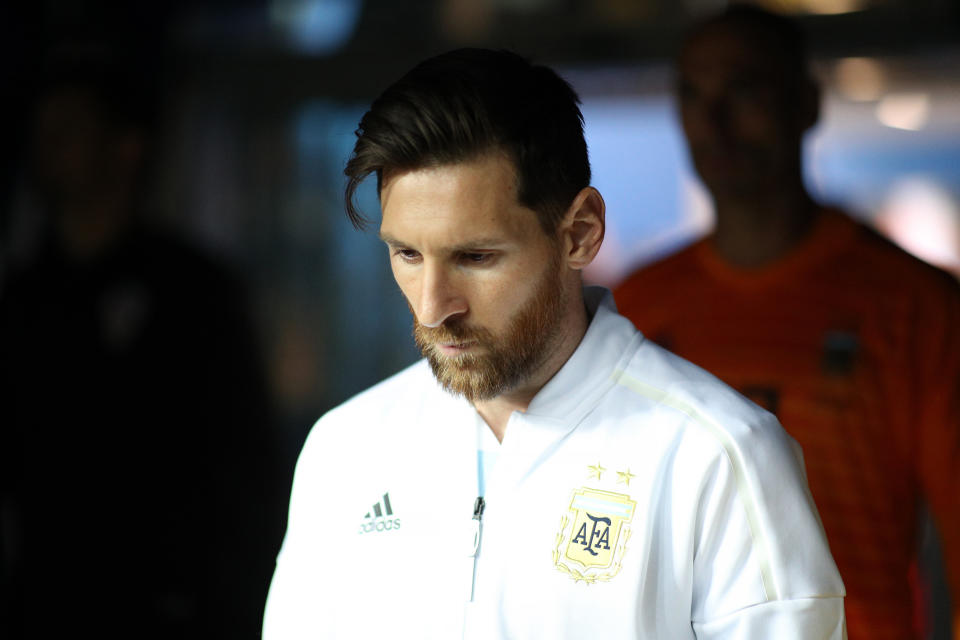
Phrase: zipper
(478, 506)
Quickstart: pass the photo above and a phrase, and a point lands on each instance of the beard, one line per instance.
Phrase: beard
(505, 361)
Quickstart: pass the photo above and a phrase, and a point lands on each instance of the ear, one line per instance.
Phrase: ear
(582, 228)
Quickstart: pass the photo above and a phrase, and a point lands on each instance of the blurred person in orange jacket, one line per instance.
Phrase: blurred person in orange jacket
(852, 342)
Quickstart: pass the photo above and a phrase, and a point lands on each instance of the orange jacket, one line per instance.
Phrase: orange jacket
(855, 345)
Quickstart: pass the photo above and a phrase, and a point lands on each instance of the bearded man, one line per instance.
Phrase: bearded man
(545, 472)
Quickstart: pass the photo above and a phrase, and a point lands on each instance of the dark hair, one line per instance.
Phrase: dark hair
(464, 103)
(780, 34)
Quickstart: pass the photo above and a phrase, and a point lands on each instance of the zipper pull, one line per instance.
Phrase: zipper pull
(478, 507)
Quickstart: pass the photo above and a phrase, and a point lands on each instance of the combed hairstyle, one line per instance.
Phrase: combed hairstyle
(462, 104)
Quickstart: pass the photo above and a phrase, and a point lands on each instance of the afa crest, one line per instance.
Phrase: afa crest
(593, 535)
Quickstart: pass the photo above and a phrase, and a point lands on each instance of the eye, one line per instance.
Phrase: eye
(407, 255)
(476, 257)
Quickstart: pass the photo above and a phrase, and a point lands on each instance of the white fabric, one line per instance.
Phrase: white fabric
(487, 450)
(723, 542)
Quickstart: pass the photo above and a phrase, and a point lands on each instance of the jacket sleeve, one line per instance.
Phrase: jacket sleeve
(762, 566)
(297, 592)
(807, 618)
(937, 410)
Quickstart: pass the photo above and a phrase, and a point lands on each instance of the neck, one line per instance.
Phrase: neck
(757, 230)
(496, 411)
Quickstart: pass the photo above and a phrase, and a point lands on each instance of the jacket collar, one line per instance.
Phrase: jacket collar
(576, 388)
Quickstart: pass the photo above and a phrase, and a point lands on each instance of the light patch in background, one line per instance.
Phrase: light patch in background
(342, 272)
(316, 27)
(909, 111)
(923, 217)
(640, 167)
(819, 7)
(466, 21)
(853, 159)
(859, 79)
(656, 204)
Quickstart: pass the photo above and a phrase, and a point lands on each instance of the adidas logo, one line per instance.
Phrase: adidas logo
(379, 518)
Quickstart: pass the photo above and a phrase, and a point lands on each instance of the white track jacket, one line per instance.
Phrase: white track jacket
(637, 497)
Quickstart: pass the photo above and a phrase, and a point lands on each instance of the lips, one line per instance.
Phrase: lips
(451, 341)
(454, 348)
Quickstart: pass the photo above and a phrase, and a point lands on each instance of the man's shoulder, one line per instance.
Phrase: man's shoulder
(408, 387)
(696, 398)
(659, 280)
(662, 268)
(373, 416)
(882, 257)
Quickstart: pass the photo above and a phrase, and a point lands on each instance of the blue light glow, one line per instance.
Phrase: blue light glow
(316, 27)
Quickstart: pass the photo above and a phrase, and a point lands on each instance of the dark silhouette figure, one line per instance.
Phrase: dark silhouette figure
(139, 476)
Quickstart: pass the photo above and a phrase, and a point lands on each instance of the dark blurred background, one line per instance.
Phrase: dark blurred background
(247, 111)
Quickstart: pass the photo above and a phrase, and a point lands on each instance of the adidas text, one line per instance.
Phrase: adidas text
(379, 525)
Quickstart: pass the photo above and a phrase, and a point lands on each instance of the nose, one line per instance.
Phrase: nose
(706, 119)
(440, 297)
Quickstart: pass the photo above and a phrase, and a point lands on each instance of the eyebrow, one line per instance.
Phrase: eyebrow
(388, 239)
(472, 245)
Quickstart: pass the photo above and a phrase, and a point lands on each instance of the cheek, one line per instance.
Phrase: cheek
(503, 299)
(490, 300)
(406, 282)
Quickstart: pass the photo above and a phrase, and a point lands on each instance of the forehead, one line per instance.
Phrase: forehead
(727, 51)
(456, 203)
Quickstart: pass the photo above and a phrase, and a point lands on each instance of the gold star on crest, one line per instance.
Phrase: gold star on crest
(625, 477)
(596, 470)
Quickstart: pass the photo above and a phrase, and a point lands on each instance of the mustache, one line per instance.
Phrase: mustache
(448, 332)
(452, 330)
